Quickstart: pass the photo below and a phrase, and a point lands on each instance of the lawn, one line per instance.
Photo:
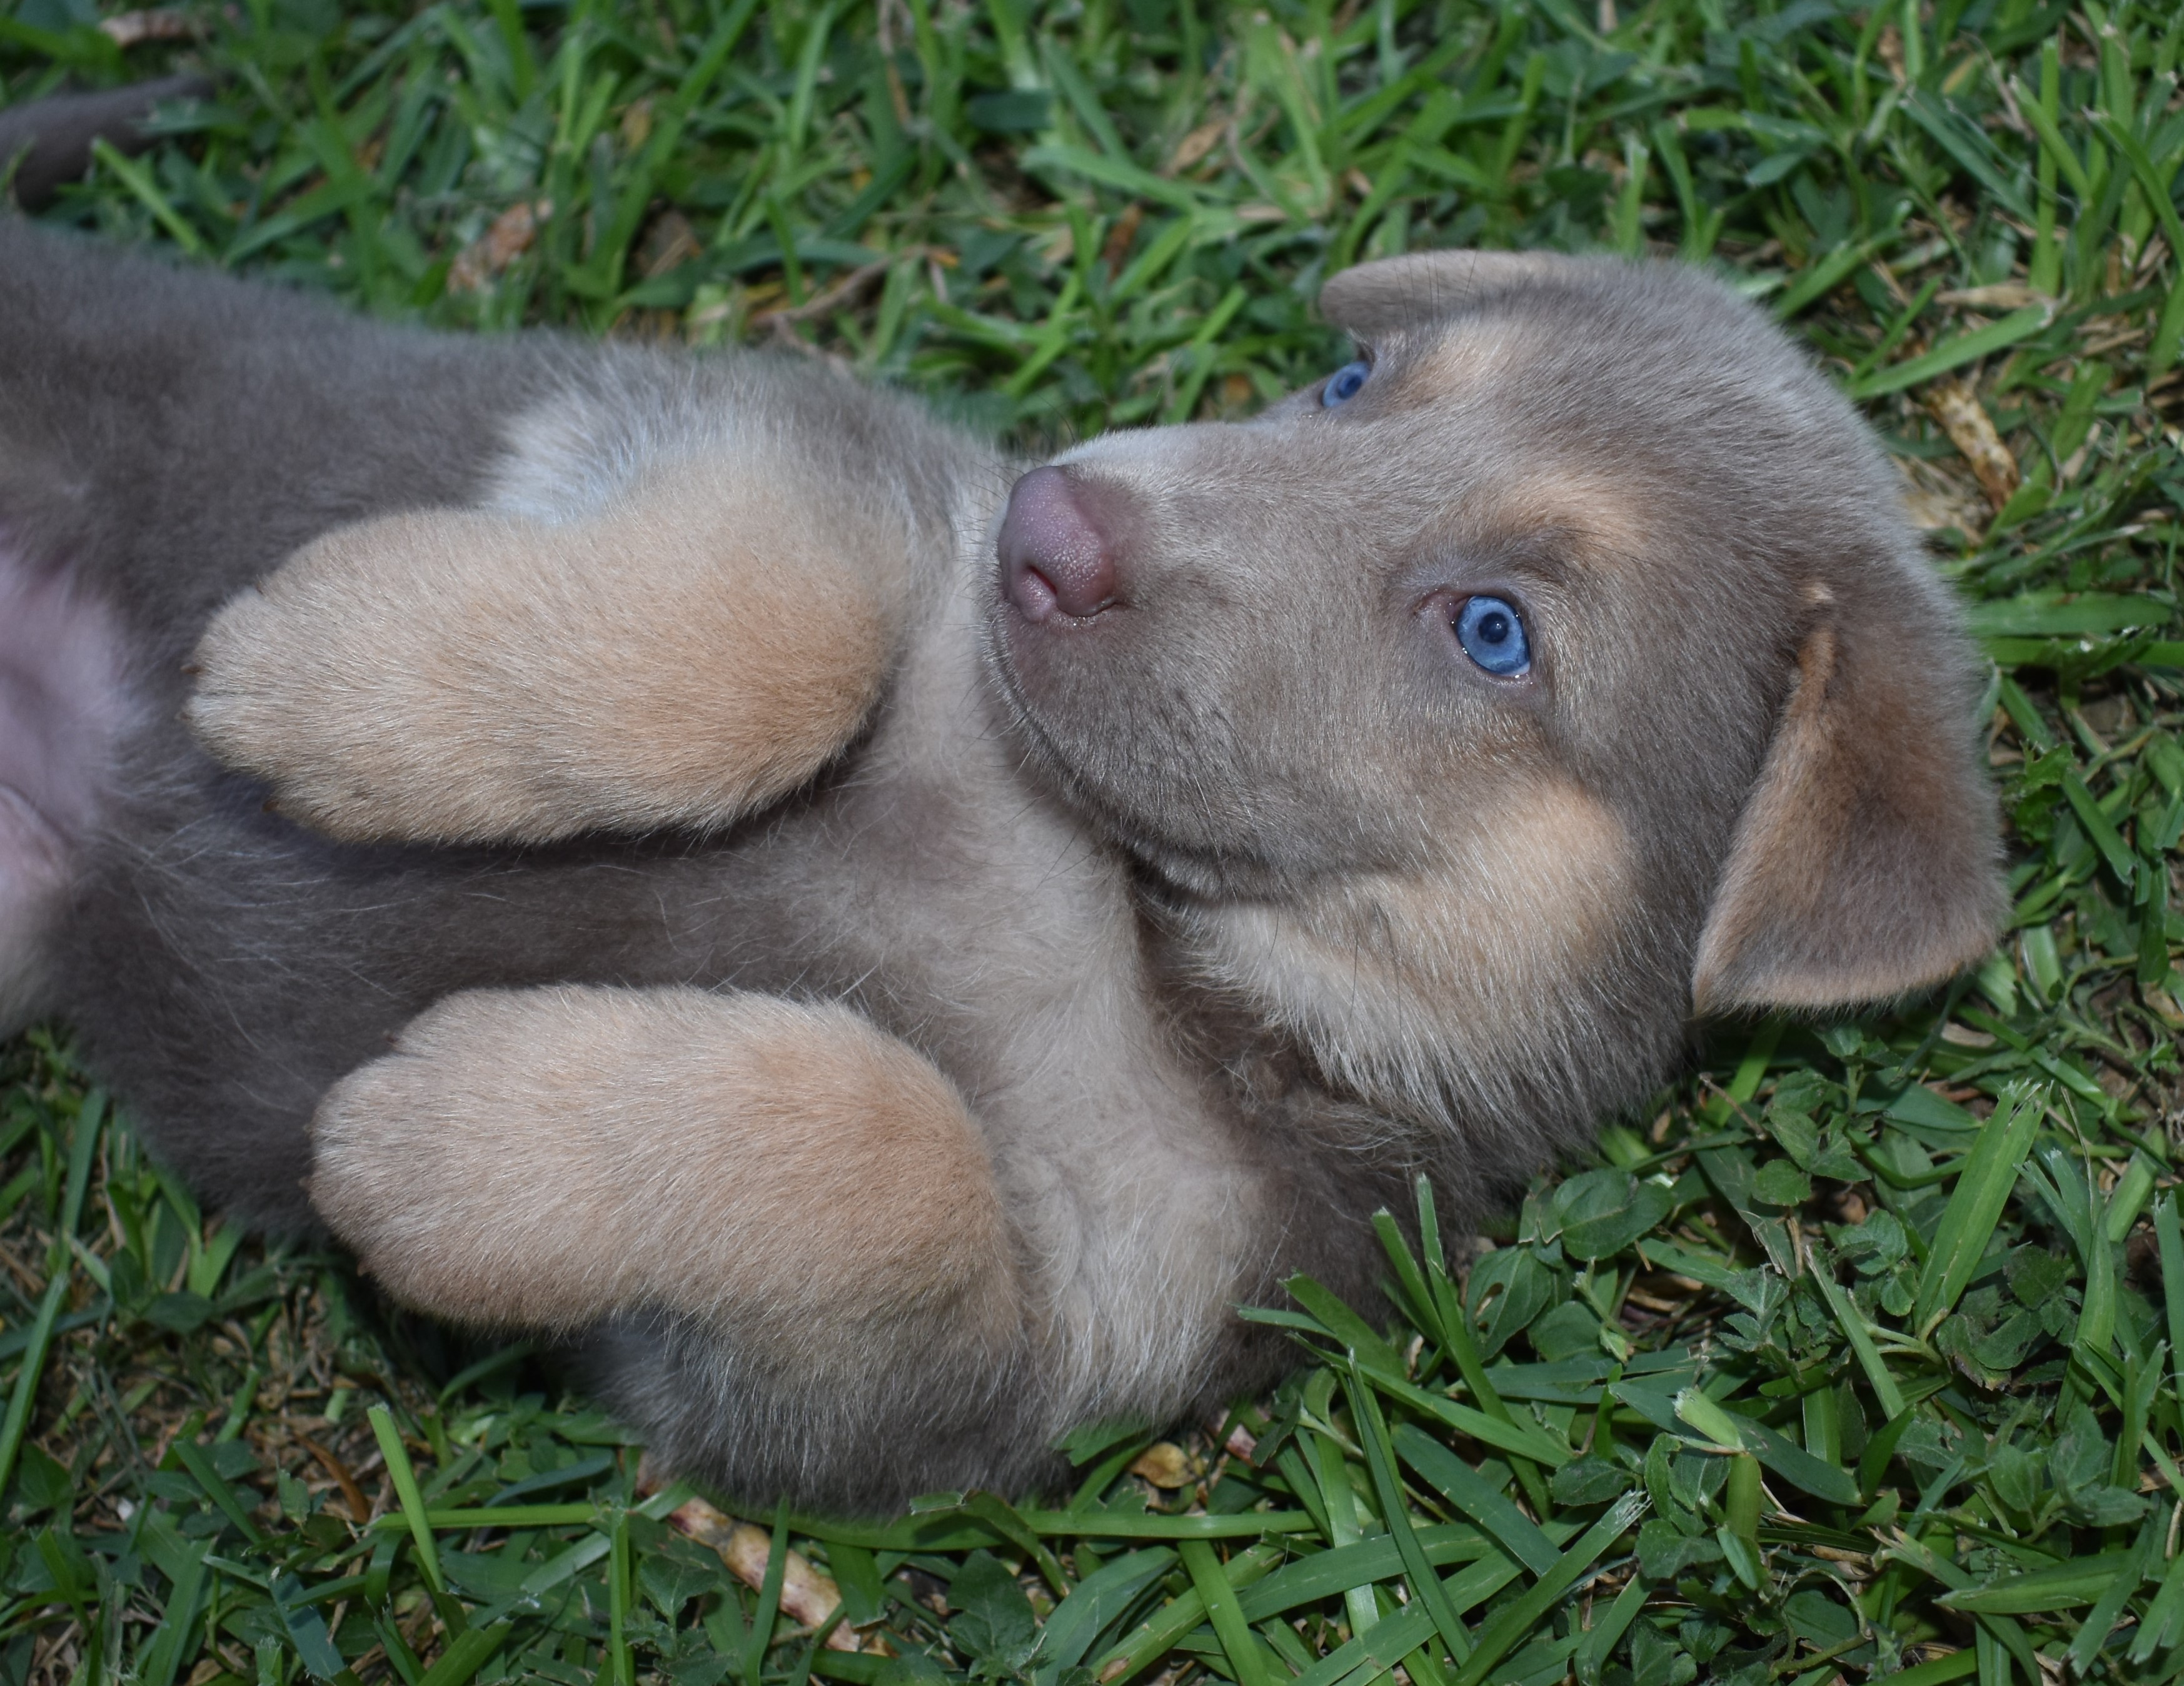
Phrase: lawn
(1855, 1356)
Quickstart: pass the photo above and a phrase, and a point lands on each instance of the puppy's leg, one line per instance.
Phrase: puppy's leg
(696, 648)
(49, 141)
(787, 1176)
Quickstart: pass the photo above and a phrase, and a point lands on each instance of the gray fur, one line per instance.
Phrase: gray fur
(1142, 889)
(46, 144)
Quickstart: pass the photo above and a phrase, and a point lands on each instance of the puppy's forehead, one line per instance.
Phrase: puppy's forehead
(1555, 343)
(1531, 364)
(1552, 518)
(1509, 419)
(1473, 448)
(1469, 359)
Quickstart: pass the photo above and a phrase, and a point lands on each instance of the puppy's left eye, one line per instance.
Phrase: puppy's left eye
(1344, 384)
(1492, 634)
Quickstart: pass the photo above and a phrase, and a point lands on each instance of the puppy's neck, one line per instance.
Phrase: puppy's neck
(1441, 1023)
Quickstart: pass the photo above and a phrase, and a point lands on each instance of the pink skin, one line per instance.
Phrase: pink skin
(1055, 559)
(61, 706)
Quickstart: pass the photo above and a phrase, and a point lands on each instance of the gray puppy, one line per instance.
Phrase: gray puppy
(886, 949)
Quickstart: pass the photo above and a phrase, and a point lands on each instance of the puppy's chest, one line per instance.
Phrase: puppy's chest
(960, 903)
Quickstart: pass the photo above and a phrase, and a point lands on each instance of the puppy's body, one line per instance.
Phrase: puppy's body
(1058, 980)
(225, 967)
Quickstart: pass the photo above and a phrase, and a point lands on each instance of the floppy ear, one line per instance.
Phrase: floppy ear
(1423, 287)
(1866, 862)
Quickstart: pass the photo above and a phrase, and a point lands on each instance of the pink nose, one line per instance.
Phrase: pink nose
(1054, 559)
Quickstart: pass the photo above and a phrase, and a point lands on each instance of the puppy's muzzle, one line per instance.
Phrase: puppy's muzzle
(1056, 559)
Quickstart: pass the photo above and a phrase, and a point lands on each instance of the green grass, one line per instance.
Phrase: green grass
(1813, 1375)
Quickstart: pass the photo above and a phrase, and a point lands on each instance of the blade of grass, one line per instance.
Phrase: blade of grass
(1473, 1494)
(28, 1375)
(90, 1120)
(465, 1655)
(2169, 1236)
(1952, 354)
(1157, 1636)
(1380, 1465)
(133, 176)
(199, 1464)
(769, 1600)
(1599, 1639)
(1100, 1598)
(624, 1665)
(1325, 1574)
(1851, 1322)
(1219, 1600)
(2108, 1607)
(1982, 1190)
(405, 1477)
(1499, 1635)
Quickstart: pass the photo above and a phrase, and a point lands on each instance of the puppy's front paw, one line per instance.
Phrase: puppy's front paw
(342, 680)
(272, 698)
(465, 1167)
(402, 1170)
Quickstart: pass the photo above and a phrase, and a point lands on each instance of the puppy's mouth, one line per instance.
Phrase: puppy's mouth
(1183, 867)
(1043, 746)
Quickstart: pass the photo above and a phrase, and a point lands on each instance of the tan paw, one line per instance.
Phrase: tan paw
(407, 1167)
(337, 682)
(466, 676)
(546, 1157)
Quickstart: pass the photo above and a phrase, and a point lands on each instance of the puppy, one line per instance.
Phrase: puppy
(878, 942)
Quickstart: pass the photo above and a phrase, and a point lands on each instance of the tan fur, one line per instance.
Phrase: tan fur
(693, 649)
(548, 1156)
(1456, 368)
(1854, 784)
(1389, 975)
(1599, 518)
(1797, 814)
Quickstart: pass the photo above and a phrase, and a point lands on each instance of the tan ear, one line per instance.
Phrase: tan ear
(1866, 863)
(1422, 287)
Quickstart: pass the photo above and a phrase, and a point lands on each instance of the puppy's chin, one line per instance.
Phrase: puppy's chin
(1021, 658)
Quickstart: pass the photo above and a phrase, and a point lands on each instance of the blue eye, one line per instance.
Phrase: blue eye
(1492, 634)
(1343, 384)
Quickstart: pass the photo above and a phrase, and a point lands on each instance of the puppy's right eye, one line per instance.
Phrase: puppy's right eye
(1344, 384)
(1492, 634)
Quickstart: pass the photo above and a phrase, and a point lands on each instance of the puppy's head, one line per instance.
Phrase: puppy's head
(1558, 669)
